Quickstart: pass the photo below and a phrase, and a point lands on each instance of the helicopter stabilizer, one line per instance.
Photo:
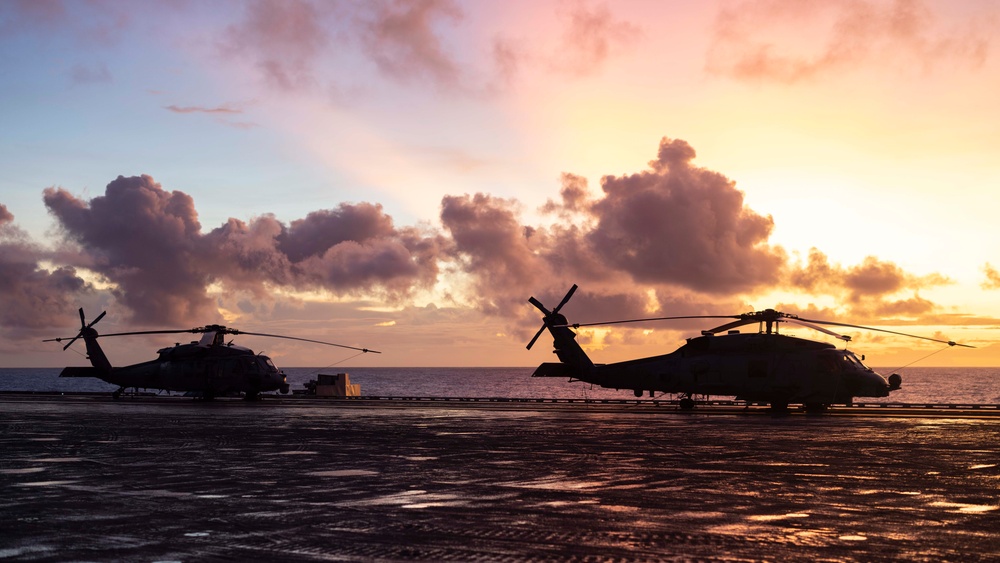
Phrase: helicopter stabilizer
(80, 371)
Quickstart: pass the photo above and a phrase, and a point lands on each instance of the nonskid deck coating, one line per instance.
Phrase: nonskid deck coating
(187, 480)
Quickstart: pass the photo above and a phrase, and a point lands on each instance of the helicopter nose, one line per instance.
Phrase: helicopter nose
(877, 385)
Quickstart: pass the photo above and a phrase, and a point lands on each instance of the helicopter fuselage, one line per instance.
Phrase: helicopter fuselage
(772, 368)
(188, 367)
(209, 367)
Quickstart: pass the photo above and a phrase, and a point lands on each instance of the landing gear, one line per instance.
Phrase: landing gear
(816, 407)
(686, 403)
(251, 396)
(117, 395)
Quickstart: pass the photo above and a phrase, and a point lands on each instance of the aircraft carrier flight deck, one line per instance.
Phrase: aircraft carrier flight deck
(298, 479)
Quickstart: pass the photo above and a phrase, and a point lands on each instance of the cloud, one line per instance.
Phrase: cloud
(33, 297)
(353, 249)
(284, 40)
(491, 244)
(202, 109)
(148, 243)
(870, 288)
(793, 40)
(992, 277)
(590, 37)
(99, 73)
(101, 24)
(675, 227)
(673, 239)
(400, 38)
(680, 224)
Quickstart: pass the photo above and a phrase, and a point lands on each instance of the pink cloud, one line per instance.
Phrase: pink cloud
(752, 39)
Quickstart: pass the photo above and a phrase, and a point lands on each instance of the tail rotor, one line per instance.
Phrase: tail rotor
(549, 315)
(84, 328)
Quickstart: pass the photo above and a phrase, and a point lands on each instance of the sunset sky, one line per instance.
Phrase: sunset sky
(403, 175)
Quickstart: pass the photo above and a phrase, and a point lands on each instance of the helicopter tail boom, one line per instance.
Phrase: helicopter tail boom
(79, 371)
(553, 369)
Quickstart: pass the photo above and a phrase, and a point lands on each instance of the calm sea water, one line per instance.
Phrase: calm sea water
(920, 385)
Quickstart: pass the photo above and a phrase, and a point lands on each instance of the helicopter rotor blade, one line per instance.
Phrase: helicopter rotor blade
(578, 325)
(832, 323)
(741, 321)
(365, 350)
(204, 329)
(569, 294)
(537, 334)
(817, 328)
(538, 305)
(99, 317)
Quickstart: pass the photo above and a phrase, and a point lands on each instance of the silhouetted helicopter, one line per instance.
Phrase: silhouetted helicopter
(209, 366)
(756, 367)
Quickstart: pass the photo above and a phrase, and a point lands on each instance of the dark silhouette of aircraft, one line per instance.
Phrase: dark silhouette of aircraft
(763, 366)
(210, 366)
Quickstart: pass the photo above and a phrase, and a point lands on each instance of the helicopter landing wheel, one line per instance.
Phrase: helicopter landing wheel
(251, 396)
(816, 407)
(117, 395)
(686, 403)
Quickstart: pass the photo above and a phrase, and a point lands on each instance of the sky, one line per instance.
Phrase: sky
(402, 175)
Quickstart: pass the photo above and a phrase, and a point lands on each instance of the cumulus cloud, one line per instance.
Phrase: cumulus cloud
(34, 297)
(145, 240)
(680, 224)
(870, 288)
(751, 38)
(149, 244)
(673, 239)
(674, 229)
(492, 244)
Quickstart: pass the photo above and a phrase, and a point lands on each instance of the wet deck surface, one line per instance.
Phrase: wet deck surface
(184, 481)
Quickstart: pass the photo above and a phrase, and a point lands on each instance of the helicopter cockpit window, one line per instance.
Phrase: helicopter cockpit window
(854, 362)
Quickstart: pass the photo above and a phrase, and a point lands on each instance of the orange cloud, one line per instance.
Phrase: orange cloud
(868, 287)
(992, 277)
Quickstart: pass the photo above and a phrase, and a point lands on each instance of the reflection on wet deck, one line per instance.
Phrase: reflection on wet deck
(232, 480)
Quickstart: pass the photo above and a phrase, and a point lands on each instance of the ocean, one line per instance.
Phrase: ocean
(920, 385)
